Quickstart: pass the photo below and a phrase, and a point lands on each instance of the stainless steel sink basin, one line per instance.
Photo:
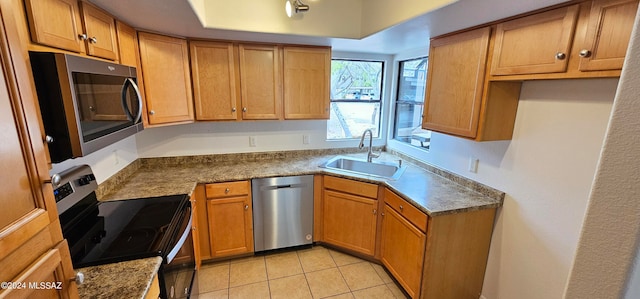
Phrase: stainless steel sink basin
(377, 168)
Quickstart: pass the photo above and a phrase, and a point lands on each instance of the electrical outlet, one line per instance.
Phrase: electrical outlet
(116, 159)
(305, 139)
(252, 141)
(473, 164)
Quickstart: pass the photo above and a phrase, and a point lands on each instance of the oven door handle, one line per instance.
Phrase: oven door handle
(174, 251)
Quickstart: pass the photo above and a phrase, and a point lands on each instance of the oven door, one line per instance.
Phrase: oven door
(178, 272)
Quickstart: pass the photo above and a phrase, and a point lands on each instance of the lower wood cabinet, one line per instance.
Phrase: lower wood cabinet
(402, 247)
(349, 211)
(230, 218)
(154, 289)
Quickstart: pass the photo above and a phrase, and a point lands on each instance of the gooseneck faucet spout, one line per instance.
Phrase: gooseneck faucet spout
(370, 153)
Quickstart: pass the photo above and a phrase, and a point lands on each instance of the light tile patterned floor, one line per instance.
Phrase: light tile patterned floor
(307, 273)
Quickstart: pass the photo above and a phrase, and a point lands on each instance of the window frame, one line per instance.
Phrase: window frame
(381, 131)
(393, 119)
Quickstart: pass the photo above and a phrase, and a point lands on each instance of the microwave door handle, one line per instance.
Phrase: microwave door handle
(123, 98)
(138, 96)
(174, 251)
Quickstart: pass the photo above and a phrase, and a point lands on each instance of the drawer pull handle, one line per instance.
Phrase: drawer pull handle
(227, 190)
(401, 208)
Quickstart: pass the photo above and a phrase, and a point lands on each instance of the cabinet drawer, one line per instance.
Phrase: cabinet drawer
(415, 216)
(350, 186)
(227, 189)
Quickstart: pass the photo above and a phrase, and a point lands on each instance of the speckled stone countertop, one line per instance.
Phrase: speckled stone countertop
(432, 190)
(130, 279)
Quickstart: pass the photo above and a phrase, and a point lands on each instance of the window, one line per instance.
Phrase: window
(412, 79)
(356, 88)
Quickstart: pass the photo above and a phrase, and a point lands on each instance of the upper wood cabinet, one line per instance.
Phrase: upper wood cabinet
(128, 44)
(100, 28)
(165, 67)
(261, 81)
(307, 81)
(58, 24)
(215, 80)
(535, 44)
(607, 36)
(455, 81)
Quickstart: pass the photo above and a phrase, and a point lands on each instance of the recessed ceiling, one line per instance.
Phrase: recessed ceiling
(176, 17)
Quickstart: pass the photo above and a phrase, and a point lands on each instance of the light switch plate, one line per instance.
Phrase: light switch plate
(252, 141)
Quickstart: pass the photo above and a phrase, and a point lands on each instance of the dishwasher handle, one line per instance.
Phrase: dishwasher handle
(284, 186)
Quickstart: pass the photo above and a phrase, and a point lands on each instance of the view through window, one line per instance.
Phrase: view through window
(412, 78)
(356, 88)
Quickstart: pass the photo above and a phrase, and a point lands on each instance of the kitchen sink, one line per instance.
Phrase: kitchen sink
(378, 168)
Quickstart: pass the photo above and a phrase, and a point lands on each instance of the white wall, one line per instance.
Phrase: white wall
(105, 162)
(606, 262)
(546, 171)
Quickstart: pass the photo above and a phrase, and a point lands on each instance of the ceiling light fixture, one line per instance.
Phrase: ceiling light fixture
(295, 5)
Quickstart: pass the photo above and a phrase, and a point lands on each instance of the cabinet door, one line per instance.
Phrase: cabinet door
(29, 201)
(127, 44)
(101, 32)
(260, 82)
(55, 23)
(307, 80)
(165, 65)
(350, 221)
(402, 250)
(213, 66)
(53, 267)
(455, 81)
(535, 44)
(608, 33)
(230, 226)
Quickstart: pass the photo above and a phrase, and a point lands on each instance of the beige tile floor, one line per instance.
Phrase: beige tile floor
(317, 272)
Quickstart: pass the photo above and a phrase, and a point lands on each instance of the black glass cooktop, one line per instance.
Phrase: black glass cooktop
(126, 229)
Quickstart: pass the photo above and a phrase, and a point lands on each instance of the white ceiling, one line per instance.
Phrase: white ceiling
(175, 17)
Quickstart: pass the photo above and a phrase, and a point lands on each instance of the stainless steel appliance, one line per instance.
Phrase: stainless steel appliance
(282, 212)
(114, 231)
(86, 104)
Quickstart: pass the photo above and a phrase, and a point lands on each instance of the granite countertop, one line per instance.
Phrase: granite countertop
(130, 279)
(432, 190)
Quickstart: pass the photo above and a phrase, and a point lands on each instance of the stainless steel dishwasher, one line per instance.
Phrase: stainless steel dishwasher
(282, 212)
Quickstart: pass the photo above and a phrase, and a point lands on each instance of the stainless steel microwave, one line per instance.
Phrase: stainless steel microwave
(86, 104)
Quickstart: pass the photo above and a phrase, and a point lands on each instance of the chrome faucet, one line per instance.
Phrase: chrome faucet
(370, 153)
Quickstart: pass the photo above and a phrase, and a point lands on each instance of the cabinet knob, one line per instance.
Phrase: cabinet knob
(48, 139)
(93, 40)
(55, 180)
(246, 207)
(561, 56)
(401, 208)
(83, 36)
(233, 109)
(79, 278)
(151, 112)
(193, 228)
(227, 190)
(244, 109)
(375, 211)
(585, 53)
